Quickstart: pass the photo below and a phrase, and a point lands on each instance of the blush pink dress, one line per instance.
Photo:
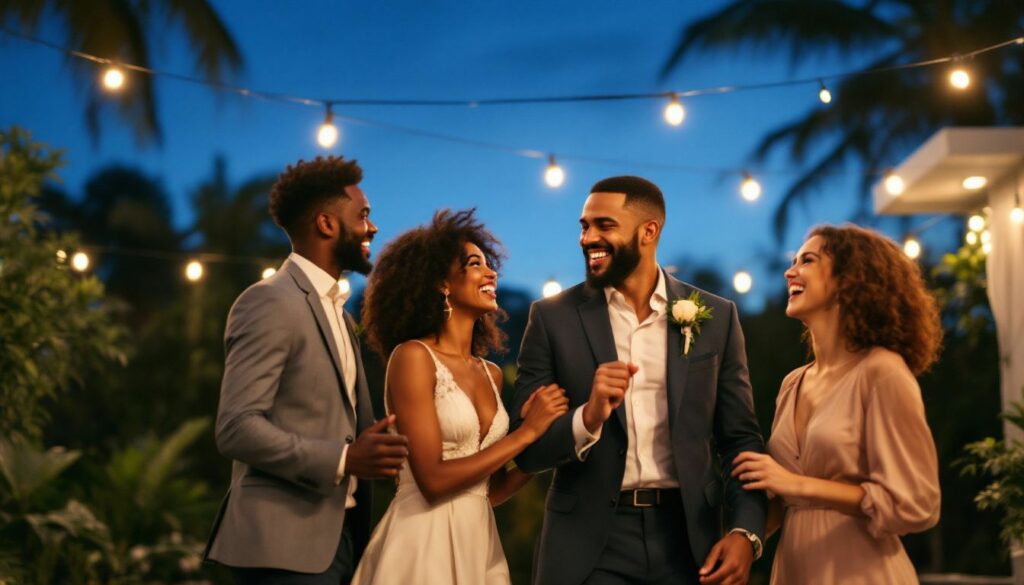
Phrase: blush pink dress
(869, 430)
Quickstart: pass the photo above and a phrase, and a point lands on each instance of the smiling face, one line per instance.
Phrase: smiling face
(809, 281)
(352, 247)
(472, 284)
(610, 234)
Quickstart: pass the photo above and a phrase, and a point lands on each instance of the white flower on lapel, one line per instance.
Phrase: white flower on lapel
(688, 314)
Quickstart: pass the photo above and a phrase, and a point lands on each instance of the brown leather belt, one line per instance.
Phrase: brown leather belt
(649, 497)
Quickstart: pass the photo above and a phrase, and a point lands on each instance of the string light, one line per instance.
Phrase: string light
(976, 223)
(742, 282)
(986, 237)
(80, 261)
(113, 78)
(974, 183)
(824, 94)
(750, 189)
(551, 288)
(194, 271)
(268, 272)
(1017, 213)
(971, 238)
(894, 184)
(62, 256)
(327, 136)
(554, 176)
(959, 78)
(674, 111)
(986, 248)
(912, 247)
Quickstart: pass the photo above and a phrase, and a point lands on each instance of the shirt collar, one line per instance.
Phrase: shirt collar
(659, 299)
(323, 283)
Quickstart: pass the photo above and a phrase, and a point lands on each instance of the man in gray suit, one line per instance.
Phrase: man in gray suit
(637, 491)
(294, 396)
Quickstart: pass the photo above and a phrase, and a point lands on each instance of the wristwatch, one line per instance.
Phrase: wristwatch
(755, 541)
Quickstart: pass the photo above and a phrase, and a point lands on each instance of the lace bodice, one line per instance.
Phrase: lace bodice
(460, 425)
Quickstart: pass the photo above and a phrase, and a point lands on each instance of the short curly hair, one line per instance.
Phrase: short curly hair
(403, 296)
(306, 185)
(883, 300)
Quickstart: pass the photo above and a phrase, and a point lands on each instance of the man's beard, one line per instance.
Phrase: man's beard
(624, 261)
(348, 253)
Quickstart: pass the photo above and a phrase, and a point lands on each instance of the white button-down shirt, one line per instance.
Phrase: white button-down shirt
(649, 454)
(333, 296)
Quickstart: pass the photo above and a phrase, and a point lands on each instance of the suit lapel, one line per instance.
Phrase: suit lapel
(598, 329)
(676, 366)
(315, 305)
(364, 418)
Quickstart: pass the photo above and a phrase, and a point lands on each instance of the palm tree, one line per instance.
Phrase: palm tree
(874, 119)
(122, 30)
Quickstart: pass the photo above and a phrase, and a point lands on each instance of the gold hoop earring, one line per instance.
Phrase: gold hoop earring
(447, 307)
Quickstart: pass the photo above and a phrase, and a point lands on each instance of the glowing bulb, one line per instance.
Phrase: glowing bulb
(750, 189)
(344, 286)
(674, 112)
(62, 256)
(1017, 214)
(824, 94)
(986, 248)
(742, 282)
(974, 183)
(912, 248)
(971, 238)
(113, 79)
(194, 271)
(268, 272)
(554, 176)
(959, 78)
(976, 223)
(80, 261)
(986, 237)
(327, 136)
(551, 288)
(894, 184)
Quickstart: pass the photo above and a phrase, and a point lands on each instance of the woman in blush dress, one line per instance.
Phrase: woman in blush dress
(431, 305)
(851, 463)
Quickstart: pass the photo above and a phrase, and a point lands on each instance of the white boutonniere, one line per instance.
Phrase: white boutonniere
(688, 314)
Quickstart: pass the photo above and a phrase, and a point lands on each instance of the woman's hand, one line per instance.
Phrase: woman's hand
(542, 408)
(759, 471)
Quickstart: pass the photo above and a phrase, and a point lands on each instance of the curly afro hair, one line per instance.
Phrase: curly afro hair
(403, 296)
(303, 187)
(882, 296)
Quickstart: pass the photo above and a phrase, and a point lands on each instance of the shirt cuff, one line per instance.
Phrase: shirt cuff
(584, 438)
(341, 466)
(755, 541)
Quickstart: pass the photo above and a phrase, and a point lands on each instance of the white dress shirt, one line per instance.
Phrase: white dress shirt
(649, 461)
(333, 296)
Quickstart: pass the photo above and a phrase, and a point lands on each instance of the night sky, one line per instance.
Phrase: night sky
(437, 50)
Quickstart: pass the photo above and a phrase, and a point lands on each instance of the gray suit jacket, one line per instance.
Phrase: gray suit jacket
(711, 420)
(283, 417)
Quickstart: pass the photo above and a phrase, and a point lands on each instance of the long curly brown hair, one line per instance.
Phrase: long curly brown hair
(882, 296)
(403, 295)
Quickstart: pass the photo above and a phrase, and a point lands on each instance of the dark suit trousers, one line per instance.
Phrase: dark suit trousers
(340, 571)
(646, 546)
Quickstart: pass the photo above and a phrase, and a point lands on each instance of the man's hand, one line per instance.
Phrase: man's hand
(377, 454)
(729, 561)
(607, 392)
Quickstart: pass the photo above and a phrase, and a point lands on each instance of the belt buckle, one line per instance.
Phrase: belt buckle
(657, 498)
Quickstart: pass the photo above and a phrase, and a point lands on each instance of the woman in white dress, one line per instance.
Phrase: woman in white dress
(431, 306)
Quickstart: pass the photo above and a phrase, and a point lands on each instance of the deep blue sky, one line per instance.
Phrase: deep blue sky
(449, 49)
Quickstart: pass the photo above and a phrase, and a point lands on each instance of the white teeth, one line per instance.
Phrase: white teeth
(598, 254)
(796, 288)
(487, 289)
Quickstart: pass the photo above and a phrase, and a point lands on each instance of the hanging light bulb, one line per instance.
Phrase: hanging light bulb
(551, 288)
(986, 237)
(80, 261)
(674, 111)
(327, 136)
(194, 271)
(894, 184)
(824, 94)
(750, 189)
(976, 223)
(554, 176)
(113, 78)
(742, 282)
(912, 247)
(986, 248)
(1017, 213)
(959, 78)
(62, 256)
(971, 238)
(974, 182)
(268, 272)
